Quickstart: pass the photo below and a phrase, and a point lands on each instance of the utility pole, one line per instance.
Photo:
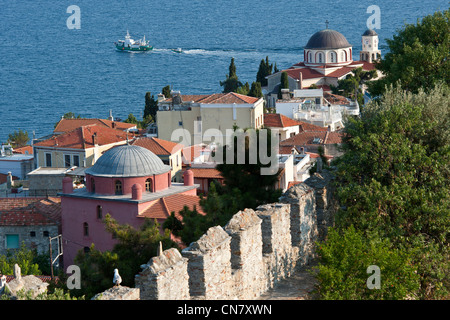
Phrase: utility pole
(51, 257)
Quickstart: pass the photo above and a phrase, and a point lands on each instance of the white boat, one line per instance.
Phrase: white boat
(177, 50)
(133, 45)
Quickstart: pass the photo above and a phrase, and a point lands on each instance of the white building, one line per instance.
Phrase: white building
(327, 58)
(18, 164)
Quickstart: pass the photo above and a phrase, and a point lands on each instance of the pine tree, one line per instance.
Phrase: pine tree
(232, 83)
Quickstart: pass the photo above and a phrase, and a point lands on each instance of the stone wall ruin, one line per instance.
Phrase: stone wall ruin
(249, 255)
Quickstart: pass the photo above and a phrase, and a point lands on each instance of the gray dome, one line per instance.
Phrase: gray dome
(327, 39)
(128, 161)
(370, 32)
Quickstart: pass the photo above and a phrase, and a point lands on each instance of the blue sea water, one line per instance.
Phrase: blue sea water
(47, 69)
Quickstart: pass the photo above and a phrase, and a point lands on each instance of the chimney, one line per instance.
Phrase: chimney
(136, 192)
(188, 177)
(94, 139)
(67, 183)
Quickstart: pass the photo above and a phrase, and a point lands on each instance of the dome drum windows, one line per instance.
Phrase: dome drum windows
(118, 190)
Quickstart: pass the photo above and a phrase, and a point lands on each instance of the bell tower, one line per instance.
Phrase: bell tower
(369, 52)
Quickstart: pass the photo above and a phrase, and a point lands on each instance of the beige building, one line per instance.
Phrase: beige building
(200, 117)
(80, 147)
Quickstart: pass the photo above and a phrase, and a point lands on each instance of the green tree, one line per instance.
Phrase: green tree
(265, 69)
(350, 85)
(232, 83)
(255, 90)
(345, 259)
(23, 257)
(131, 119)
(394, 179)
(167, 92)
(134, 248)
(284, 83)
(18, 139)
(151, 106)
(418, 55)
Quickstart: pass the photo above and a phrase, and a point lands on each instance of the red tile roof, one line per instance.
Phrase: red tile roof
(30, 211)
(24, 150)
(218, 98)
(162, 208)
(340, 72)
(158, 146)
(65, 125)
(82, 137)
(306, 73)
(305, 126)
(307, 137)
(367, 66)
(279, 121)
(210, 173)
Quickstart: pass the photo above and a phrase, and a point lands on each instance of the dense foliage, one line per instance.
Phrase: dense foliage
(394, 184)
(244, 187)
(418, 55)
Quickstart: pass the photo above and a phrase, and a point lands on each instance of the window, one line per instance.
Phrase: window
(67, 160)
(310, 57)
(93, 185)
(320, 58)
(48, 159)
(12, 241)
(76, 160)
(99, 212)
(148, 185)
(45, 234)
(333, 57)
(32, 233)
(85, 229)
(118, 187)
(180, 123)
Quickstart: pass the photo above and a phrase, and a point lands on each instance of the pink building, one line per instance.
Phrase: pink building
(128, 182)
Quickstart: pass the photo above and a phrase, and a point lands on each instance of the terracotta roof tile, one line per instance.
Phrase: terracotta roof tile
(65, 125)
(305, 126)
(306, 73)
(24, 150)
(82, 137)
(210, 173)
(218, 98)
(158, 146)
(162, 208)
(308, 137)
(279, 121)
(29, 211)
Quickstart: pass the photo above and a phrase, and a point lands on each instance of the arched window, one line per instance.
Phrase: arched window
(148, 185)
(320, 57)
(93, 185)
(99, 212)
(350, 57)
(310, 59)
(342, 57)
(85, 229)
(333, 57)
(118, 187)
(345, 52)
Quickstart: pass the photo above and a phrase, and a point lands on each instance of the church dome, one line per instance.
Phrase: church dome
(128, 161)
(370, 32)
(327, 39)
